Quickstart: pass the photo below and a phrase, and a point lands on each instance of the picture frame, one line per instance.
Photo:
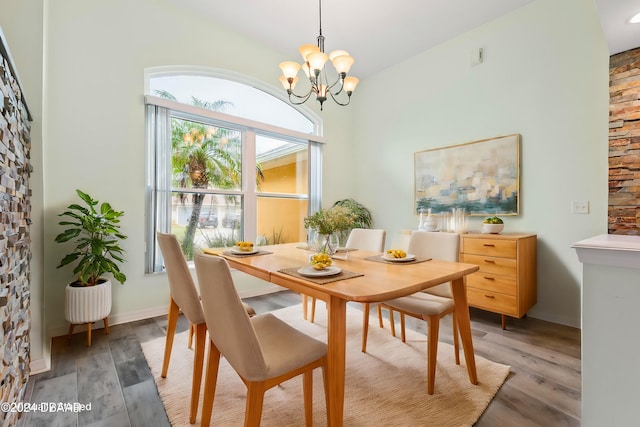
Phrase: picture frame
(482, 177)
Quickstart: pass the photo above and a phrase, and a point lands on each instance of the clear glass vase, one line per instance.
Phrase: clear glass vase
(329, 243)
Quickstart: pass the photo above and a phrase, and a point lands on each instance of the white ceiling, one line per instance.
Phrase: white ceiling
(381, 33)
(614, 15)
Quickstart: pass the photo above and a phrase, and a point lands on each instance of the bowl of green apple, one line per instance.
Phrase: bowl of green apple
(492, 225)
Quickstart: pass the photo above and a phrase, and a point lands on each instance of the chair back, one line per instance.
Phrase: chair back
(181, 285)
(228, 323)
(436, 245)
(366, 239)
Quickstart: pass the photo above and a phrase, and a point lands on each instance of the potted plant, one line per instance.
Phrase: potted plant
(361, 216)
(96, 235)
(327, 223)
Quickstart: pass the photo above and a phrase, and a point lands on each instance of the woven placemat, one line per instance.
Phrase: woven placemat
(343, 275)
(233, 254)
(378, 258)
(217, 252)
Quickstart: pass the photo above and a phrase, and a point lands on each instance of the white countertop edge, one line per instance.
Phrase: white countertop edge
(610, 250)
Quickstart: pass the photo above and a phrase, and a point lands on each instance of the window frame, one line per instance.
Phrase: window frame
(159, 114)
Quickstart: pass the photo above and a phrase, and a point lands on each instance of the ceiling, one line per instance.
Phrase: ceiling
(614, 15)
(381, 33)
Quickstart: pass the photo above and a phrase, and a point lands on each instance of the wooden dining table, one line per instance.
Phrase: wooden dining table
(376, 282)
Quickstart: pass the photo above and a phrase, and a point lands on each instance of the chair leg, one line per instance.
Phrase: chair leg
(198, 361)
(255, 397)
(433, 326)
(456, 343)
(210, 381)
(304, 306)
(365, 325)
(172, 321)
(307, 390)
(380, 316)
(402, 333)
(325, 380)
(192, 330)
(71, 326)
(392, 322)
(313, 309)
(106, 325)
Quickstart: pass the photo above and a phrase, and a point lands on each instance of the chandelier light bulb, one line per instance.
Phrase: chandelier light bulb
(307, 49)
(334, 53)
(289, 69)
(342, 63)
(288, 84)
(350, 84)
(306, 69)
(317, 60)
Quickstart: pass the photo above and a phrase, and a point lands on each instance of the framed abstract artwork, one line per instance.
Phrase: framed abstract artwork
(483, 177)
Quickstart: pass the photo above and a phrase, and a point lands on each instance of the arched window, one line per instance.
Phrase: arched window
(228, 160)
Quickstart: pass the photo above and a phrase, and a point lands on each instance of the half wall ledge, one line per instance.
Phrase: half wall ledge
(614, 250)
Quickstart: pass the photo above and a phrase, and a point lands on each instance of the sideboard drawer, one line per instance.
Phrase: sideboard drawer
(491, 247)
(493, 282)
(506, 281)
(495, 265)
(492, 301)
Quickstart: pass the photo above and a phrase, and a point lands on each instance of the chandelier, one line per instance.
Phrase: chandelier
(315, 68)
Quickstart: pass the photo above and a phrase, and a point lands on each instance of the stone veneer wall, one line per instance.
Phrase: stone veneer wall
(624, 143)
(15, 251)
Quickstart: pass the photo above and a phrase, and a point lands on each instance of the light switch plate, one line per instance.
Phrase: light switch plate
(579, 207)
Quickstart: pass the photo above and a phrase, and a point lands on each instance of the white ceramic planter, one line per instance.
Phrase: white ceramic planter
(492, 228)
(87, 304)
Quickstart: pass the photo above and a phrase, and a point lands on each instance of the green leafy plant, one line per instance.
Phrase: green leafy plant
(361, 215)
(97, 237)
(329, 221)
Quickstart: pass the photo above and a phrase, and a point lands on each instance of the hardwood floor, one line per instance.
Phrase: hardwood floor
(543, 388)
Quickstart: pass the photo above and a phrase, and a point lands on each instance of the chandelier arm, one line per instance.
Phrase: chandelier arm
(312, 89)
(338, 102)
(302, 99)
(339, 80)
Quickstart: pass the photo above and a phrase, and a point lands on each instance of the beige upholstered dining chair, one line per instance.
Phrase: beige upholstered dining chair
(184, 296)
(263, 350)
(432, 304)
(365, 239)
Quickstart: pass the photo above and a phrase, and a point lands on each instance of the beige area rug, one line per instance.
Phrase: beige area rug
(385, 386)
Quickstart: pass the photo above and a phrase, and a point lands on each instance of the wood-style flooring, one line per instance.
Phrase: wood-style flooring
(543, 388)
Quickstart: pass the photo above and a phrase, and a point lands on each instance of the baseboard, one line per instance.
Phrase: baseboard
(561, 320)
(114, 319)
(133, 316)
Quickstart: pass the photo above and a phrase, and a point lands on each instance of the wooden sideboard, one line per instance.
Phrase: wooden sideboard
(506, 282)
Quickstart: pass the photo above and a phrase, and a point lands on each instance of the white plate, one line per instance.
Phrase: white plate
(409, 257)
(239, 252)
(312, 272)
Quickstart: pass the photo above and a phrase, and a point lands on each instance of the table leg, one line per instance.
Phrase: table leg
(464, 327)
(336, 341)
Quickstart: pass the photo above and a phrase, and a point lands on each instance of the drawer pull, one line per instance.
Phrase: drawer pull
(489, 278)
(490, 296)
(490, 261)
(489, 244)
